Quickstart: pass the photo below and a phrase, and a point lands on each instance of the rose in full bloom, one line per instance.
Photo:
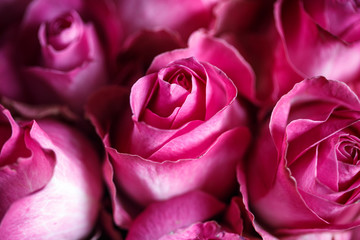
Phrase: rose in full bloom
(50, 183)
(54, 54)
(181, 217)
(183, 129)
(303, 173)
(321, 38)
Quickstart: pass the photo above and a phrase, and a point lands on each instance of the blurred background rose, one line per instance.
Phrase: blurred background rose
(57, 52)
(50, 180)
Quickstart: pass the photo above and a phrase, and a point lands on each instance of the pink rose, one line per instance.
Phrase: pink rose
(50, 183)
(184, 129)
(321, 38)
(302, 175)
(182, 217)
(56, 55)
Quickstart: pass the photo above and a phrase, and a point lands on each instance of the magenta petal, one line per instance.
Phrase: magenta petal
(192, 144)
(207, 230)
(168, 97)
(29, 173)
(340, 18)
(274, 190)
(161, 218)
(138, 100)
(315, 89)
(146, 180)
(324, 54)
(295, 213)
(224, 56)
(220, 91)
(121, 217)
(153, 140)
(218, 53)
(233, 215)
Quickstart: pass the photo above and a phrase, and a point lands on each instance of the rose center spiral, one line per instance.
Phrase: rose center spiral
(63, 30)
(349, 149)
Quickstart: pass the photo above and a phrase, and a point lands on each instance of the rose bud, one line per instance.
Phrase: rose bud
(302, 174)
(181, 217)
(184, 129)
(56, 52)
(71, 65)
(50, 183)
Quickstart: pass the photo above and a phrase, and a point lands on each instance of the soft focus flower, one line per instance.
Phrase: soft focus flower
(50, 182)
(182, 17)
(55, 55)
(321, 38)
(305, 178)
(249, 27)
(182, 217)
(187, 131)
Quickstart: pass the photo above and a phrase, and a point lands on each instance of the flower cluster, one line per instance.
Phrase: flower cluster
(180, 119)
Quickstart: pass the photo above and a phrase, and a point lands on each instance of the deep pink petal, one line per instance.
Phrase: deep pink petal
(340, 18)
(324, 54)
(194, 143)
(314, 90)
(161, 218)
(212, 172)
(216, 52)
(207, 230)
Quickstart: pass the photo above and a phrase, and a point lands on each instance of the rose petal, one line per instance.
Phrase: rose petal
(147, 180)
(216, 52)
(164, 217)
(325, 54)
(207, 230)
(32, 169)
(75, 52)
(340, 18)
(315, 89)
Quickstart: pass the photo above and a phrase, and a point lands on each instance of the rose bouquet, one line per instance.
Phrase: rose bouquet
(169, 119)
